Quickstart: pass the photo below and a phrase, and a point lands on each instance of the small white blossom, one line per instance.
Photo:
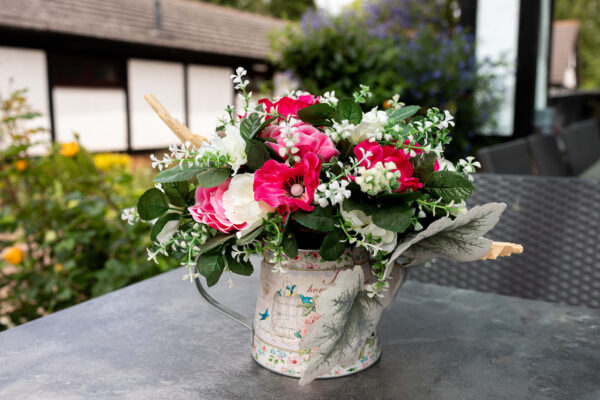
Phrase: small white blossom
(329, 98)
(130, 215)
(380, 178)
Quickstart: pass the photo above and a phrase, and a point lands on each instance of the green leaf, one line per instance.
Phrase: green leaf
(396, 218)
(211, 265)
(258, 155)
(289, 244)
(351, 204)
(250, 125)
(177, 192)
(347, 109)
(396, 198)
(213, 177)
(317, 114)
(450, 186)
(333, 245)
(239, 267)
(177, 174)
(403, 113)
(161, 222)
(214, 242)
(423, 165)
(250, 237)
(152, 204)
(320, 219)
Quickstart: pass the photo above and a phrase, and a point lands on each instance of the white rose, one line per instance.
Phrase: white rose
(363, 223)
(371, 126)
(232, 144)
(239, 204)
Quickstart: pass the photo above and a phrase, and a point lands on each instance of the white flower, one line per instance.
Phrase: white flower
(239, 204)
(363, 224)
(232, 144)
(379, 178)
(370, 127)
(445, 164)
(130, 215)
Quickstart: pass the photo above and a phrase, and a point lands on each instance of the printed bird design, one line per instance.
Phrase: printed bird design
(306, 299)
(265, 315)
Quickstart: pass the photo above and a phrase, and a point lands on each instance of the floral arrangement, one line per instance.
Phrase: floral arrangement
(306, 171)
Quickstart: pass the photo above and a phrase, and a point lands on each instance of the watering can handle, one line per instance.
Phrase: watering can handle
(218, 306)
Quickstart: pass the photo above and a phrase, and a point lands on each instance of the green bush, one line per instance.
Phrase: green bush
(62, 214)
(396, 47)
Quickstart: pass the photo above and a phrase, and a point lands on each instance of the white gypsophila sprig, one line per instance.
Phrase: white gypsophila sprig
(329, 98)
(333, 193)
(340, 130)
(130, 215)
(363, 94)
(380, 178)
(468, 166)
(290, 138)
(238, 79)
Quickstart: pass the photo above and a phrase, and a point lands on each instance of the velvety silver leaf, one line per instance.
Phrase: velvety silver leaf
(348, 317)
(459, 239)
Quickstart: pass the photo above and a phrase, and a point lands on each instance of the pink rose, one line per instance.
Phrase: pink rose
(389, 154)
(311, 140)
(288, 188)
(287, 106)
(209, 208)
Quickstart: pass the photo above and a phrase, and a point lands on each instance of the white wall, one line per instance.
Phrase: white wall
(98, 115)
(26, 68)
(209, 90)
(166, 81)
(497, 36)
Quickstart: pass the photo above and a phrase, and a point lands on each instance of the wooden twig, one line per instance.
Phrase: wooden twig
(502, 249)
(180, 130)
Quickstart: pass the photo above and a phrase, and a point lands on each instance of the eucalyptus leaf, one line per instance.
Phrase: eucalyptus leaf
(177, 192)
(289, 244)
(258, 155)
(333, 245)
(176, 174)
(152, 204)
(347, 109)
(460, 239)
(250, 237)
(450, 186)
(160, 223)
(403, 113)
(348, 317)
(395, 218)
(211, 265)
(214, 242)
(317, 114)
(320, 219)
(239, 267)
(213, 177)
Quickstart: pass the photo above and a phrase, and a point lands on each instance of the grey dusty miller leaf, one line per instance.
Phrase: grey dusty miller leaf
(460, 239)
(348, 318)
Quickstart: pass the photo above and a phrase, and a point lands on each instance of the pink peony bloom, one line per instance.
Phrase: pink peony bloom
(386, 154)
(311, 140)
(287, 106)
(209, 208)
(288, 188)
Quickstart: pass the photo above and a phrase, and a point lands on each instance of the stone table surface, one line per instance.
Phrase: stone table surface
(158, 340)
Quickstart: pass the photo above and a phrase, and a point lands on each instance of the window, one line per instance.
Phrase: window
(86, 71)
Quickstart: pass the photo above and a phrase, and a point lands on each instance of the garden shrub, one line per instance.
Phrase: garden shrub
(64, 241)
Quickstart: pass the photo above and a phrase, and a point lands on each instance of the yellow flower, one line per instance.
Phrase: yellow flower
(106, 161)
(14, 255)
(58, 268)
(21, 165)
(69, 149)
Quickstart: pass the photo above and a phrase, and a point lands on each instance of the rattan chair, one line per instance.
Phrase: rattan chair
(546, 155)
(582, 142)
(506, 158)
(557, 220)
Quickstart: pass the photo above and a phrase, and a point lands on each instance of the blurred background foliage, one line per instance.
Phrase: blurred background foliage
(416, 48)
(588, 14)
(286, 9)
(60, 228)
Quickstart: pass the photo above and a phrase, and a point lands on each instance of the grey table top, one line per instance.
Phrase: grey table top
(593, 172)
(158, 340)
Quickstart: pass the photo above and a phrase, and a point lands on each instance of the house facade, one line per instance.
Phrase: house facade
(87, 65)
